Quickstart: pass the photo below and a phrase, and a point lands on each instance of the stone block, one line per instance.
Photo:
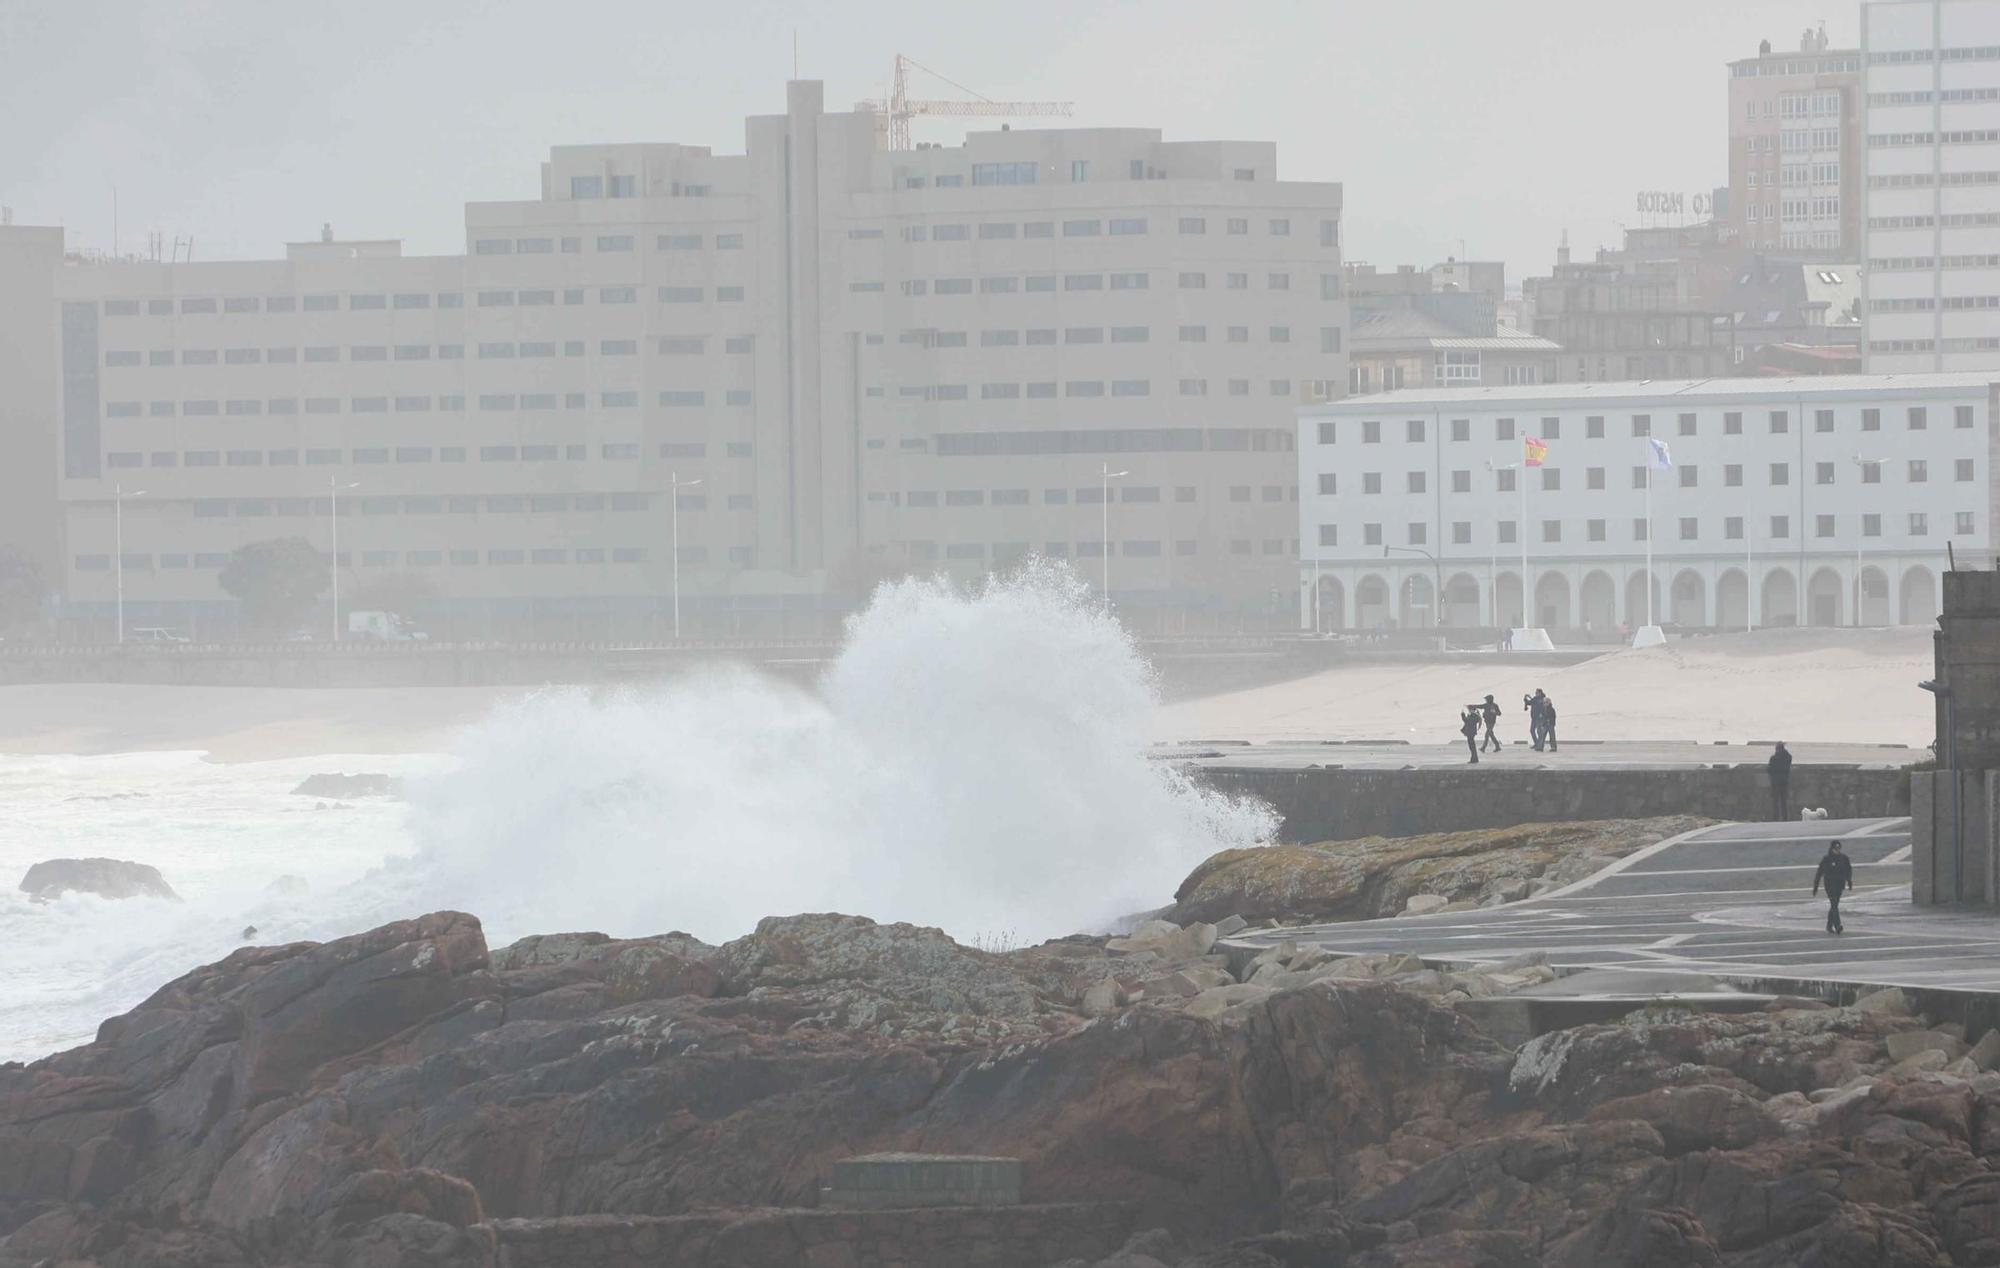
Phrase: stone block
(1104, 997)
(1908, 1043)
(1424, 904)
(1229, 925)
(1219, 1000)
(1890, 1002)
(1986, 1053)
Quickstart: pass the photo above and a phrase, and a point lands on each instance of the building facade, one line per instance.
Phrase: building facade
(1932, 168)
(29, 394)
(1795, 149)
(1786, 499)
(839, 362)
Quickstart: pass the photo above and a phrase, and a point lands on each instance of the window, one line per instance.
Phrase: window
(1371, 482)
(617, 294)
(1823, 420)
(1780, 473)
(1371, 534)
(1961, 523)
(1004, 174)
(1871, 420)
(1329, 485)
(1732, 424)
(1371, 433)
(1781, 526)
(1415, 482)
(1638, 530)
(1961, 470)
(1326, 434)
(1642, 424)
(1823, 526)
(1920, 471)
(1920, 524)
(1552, 530)
(1504, 531)
(1690, 528)
(1917, 418)
(1128, 225)
(1871, 473)
(1780, 422)
(586, 187)
(1281, 228)
(1594, 530)
(1551, 478)
(1961, 416)
(1082, 228)
(1503, 429)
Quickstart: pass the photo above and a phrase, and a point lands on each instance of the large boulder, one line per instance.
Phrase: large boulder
(1377, 876)
(107, 878)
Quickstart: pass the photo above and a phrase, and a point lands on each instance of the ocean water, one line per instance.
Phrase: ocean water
(972, 760)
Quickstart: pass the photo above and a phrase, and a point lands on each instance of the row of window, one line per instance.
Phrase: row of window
(604, 242)
(322, 354)
(1924, 96)
(1083, 495)
(216, 561)
(369, 455)
(1964, 523)
(530, 298)
(1926, 180)
(1924, 263)
(1686, 476)
(1910, 56)
(1977, 343)
(1046, 336)
(1071, 388)
(1951, 220)
(1916, 418)
(488, 402)
(1925, 304)
(1962, 136)
(1117, 226)
(1049, 283)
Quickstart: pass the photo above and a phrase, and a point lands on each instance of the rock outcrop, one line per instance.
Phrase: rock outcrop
(405, 1097)
(107, 878)
(342, 786)
(1378, 876)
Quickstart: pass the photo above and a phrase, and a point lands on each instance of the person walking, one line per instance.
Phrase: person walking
(1780, 770)
(1533, 705)
(1468, 726)
(1837, 873)
(1490, 714)
(1549, 722)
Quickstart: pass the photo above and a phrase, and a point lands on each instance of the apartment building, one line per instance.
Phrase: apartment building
(1825, 501)
(1932, 122)
(1795, 149)
(839, 362)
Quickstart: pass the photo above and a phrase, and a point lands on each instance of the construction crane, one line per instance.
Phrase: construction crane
(892, 117)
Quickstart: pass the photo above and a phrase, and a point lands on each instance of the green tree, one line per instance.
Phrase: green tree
(21, 589)
(276, 581)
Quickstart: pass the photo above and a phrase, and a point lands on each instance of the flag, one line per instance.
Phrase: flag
(1534, 451)
(1657, 456)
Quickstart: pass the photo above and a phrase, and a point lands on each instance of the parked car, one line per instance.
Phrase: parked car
(155, 634)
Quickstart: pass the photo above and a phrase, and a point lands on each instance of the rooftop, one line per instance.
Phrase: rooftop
(1966, 383)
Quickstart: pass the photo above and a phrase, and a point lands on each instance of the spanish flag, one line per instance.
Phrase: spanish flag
(1535, 451)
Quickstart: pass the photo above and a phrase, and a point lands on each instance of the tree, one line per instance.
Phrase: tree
(276, 581)
(21, 589)
(402, 593)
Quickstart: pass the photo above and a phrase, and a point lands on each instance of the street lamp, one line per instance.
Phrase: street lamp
(1943, 692)
(1493, 576)
(1861, 464)
(674, 486)
(1106, 476)
(1437, 578)
(118, 496)
(333, 488)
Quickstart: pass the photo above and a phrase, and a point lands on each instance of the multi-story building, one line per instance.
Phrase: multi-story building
(29, 520)
(1932, 124)
(1795, 149)
(1787, 499)
(1440, 327)
(871, 361)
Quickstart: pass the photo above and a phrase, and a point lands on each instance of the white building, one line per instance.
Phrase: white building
(1779, 487)
(873, 362)
(1931, 158)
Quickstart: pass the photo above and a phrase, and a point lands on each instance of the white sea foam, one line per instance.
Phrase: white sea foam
(972, 760)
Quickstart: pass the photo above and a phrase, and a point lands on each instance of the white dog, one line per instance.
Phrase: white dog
(1811, 813)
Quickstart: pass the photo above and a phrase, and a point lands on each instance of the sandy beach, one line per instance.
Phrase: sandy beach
(1845, 686)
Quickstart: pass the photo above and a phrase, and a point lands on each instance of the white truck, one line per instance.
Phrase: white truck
(385, 627)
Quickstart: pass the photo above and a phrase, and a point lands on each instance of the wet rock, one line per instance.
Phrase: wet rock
(1889, 1002)
(106, 878)
(1425, 904)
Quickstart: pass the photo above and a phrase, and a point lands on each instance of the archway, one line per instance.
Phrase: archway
(1824, 598)
(1552, 601)
(1874, 601)
(1637, 610)
(1417, 607)
(1599, 597)
(1780, 598)
(1920, 604)
(1690, 605)
(1461, 601)
(1332, 604)
(1507, 600)
(1371, 603)
(1732, 600)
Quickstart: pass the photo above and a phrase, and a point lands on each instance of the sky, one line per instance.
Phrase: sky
(1473, 128)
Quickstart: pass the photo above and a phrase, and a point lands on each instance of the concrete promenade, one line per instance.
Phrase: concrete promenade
(1731, 903)
(1521, 756)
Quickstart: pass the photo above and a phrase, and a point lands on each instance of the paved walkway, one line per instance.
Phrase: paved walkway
(1732, 901)
(1576, 755)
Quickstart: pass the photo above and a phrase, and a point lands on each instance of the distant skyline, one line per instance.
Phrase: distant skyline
(1459, 127)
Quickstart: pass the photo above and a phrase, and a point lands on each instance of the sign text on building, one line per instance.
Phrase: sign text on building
(1658, 202)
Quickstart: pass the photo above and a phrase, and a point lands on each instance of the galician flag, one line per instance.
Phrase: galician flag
(1657, 456)
(1535, 451)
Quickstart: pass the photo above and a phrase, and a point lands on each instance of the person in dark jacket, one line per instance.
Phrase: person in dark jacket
(1533, 706)
(1490, 714)
(1837, 873)
(1549, 722)
(1468, 726)
(1780, 768)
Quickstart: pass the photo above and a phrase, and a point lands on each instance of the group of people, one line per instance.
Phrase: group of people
(1541, 724)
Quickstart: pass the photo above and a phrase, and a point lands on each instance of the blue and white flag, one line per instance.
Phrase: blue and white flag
(1657, 456)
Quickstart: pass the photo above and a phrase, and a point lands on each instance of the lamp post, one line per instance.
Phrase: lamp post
(1437, 578)
(674, 486)
(1861, 464)
(1943, 692)
(1105, 476)
(1521, 530)
(118, 496)
(333, 488)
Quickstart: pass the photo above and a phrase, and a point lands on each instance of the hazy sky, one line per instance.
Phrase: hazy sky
(245, 123)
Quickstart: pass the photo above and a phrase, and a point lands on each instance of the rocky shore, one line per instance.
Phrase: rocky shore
(409, 1096)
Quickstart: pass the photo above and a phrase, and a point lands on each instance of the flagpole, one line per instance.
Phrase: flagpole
(1649, 540)
(1526, 624)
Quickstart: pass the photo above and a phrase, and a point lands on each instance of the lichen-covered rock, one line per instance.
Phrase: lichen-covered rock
(106, 878)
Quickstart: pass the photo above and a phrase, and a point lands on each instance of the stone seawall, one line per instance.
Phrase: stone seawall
(1340, 805)
(1009, 1237)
